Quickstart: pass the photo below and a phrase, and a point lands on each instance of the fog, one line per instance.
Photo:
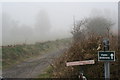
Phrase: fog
(37, 22)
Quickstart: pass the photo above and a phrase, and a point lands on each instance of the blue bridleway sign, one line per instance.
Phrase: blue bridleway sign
(106, 55)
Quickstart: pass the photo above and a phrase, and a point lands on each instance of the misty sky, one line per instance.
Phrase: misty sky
(37, 22)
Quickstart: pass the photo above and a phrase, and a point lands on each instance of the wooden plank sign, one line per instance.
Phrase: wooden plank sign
(80, 63)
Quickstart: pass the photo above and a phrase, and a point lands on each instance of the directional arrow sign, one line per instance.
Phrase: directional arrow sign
(112, 56)
(80, 63)
(106, 55)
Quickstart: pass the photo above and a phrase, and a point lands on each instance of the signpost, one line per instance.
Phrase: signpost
(75, 63)
(80, 63)
(106, 56)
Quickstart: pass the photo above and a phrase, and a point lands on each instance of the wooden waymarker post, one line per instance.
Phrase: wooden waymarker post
(80, 63)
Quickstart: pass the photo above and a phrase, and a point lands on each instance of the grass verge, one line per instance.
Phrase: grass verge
(47, 73)
(14, 54)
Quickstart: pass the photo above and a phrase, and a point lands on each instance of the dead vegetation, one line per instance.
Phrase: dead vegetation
(84, 47)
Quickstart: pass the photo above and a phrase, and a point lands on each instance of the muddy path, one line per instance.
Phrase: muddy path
(32, 67)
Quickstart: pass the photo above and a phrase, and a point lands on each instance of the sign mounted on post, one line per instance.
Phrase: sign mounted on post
(80, 63)
(106, 55)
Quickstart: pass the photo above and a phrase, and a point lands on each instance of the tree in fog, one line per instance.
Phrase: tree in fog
(78, 30)
(99, 25)
(90, 26)
(42, 25)
(13, 32)
(6, 28)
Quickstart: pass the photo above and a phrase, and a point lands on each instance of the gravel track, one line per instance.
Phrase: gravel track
(32, 67)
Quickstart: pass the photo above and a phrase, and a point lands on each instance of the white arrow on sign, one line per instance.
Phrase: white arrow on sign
(80, 63)
(111, 56)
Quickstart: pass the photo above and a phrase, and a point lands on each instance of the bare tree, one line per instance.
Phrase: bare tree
(78, 30)
(99, 25)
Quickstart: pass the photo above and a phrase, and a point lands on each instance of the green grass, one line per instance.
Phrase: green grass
(14, 55)
(47, 73)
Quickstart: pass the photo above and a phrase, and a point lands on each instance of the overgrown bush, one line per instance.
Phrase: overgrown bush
(84, 47)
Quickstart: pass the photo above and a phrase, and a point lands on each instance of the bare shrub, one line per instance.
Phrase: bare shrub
(86, 40)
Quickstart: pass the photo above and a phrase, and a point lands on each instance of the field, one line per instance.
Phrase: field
(12, 55)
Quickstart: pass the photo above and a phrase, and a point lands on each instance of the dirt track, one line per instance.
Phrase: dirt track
(31, 68)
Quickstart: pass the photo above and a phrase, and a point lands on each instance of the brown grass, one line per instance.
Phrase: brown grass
(86, 50)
